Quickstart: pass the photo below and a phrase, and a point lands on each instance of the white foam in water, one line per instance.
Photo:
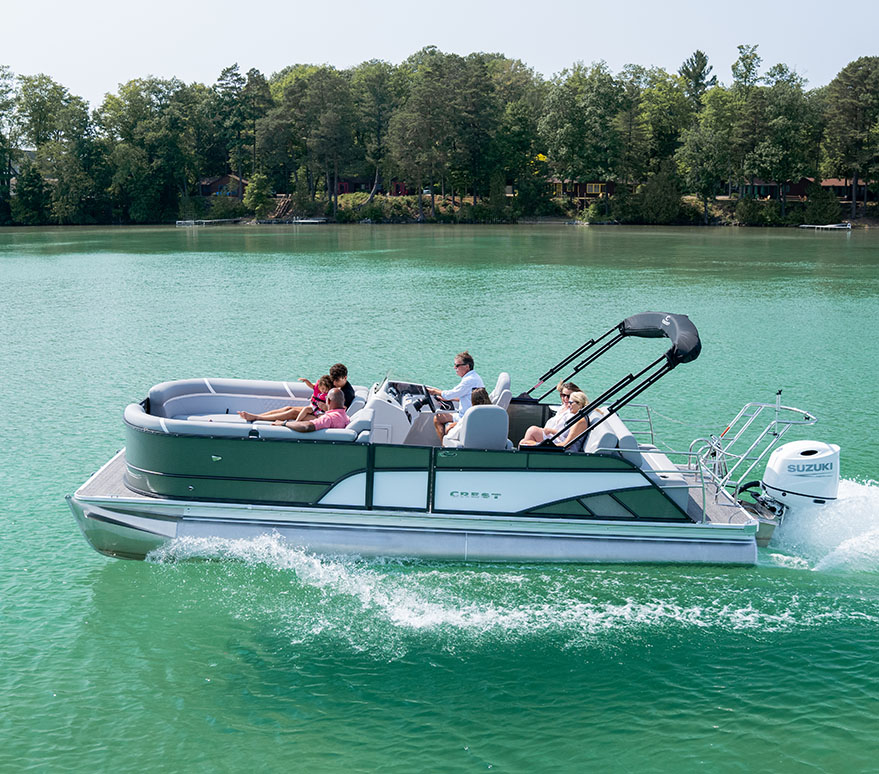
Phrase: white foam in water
(839, 535)
(373, 604)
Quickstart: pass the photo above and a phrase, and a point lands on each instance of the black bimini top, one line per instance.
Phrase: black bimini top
(684, 337)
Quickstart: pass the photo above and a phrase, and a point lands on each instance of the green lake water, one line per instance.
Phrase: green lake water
(256, 656)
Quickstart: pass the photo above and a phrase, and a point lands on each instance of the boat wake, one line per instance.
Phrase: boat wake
(843, 535)
(388, 605)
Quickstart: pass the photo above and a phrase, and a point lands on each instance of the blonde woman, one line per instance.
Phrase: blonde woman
(557, 422)
(576, 401)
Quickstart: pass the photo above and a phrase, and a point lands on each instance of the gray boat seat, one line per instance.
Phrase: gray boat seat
(136, 416)
(360, 423)
(268, 430)
(360, 396)
(501, 394)
(613, 435)
(483, 427)
(196, 397)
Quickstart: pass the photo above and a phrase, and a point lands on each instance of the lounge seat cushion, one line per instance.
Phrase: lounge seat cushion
(211, 418)
(268, 430)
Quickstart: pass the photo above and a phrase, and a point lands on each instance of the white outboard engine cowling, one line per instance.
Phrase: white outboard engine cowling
(802, 473)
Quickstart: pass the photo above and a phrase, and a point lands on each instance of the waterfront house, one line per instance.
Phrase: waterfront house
(221, 185)
(581, 191)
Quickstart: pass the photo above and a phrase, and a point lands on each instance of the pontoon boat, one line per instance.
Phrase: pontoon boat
(384, 486)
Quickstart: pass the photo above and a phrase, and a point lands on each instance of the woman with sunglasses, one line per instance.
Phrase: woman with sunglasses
(577, 433)
(535, 434)
(558, 421)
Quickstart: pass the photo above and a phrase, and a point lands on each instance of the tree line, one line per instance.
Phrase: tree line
(467, 127)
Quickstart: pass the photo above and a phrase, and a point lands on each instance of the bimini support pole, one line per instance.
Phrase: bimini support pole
(573, 356)
(685, 347)
(659, 367)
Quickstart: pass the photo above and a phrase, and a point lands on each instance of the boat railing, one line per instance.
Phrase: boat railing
(731, 457)
(640, 422)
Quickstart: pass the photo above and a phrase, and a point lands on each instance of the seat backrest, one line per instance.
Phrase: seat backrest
(613, 434)
(483, 427)
(361, 420)
(501, 395)
(361, 395)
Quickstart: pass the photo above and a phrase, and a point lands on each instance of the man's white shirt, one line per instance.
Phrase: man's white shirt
(462, 390)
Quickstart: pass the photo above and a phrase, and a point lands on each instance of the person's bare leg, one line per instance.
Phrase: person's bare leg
(533, 436)
(305, 414)
(288, 412)
(439, 423)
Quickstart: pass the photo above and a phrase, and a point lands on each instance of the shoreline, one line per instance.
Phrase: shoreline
(860, 224)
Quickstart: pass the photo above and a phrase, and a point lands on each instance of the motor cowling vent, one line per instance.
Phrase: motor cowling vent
(803, 472)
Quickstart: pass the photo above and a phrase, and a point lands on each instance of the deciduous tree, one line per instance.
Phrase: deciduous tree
(852, 113)
(39, 105)
(782, 153)
(258, 196)
(579, 128)
(31, 203)
(377, 89)
(7, 138)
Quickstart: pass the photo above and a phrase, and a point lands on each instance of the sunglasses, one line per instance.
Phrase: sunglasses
(565, 395)
(458, 365)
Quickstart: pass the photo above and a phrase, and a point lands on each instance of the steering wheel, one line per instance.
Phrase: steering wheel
(428, 398)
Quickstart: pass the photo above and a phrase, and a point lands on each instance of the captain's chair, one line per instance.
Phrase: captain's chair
(501, 394)
(483, 427)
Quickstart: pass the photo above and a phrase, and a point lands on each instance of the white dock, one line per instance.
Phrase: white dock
(198, 223)
(831, 227)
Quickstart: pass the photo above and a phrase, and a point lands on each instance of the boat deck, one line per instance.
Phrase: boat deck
(719, 509)
(109, 483)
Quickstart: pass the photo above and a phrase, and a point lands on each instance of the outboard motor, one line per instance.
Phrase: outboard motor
(802, 473)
